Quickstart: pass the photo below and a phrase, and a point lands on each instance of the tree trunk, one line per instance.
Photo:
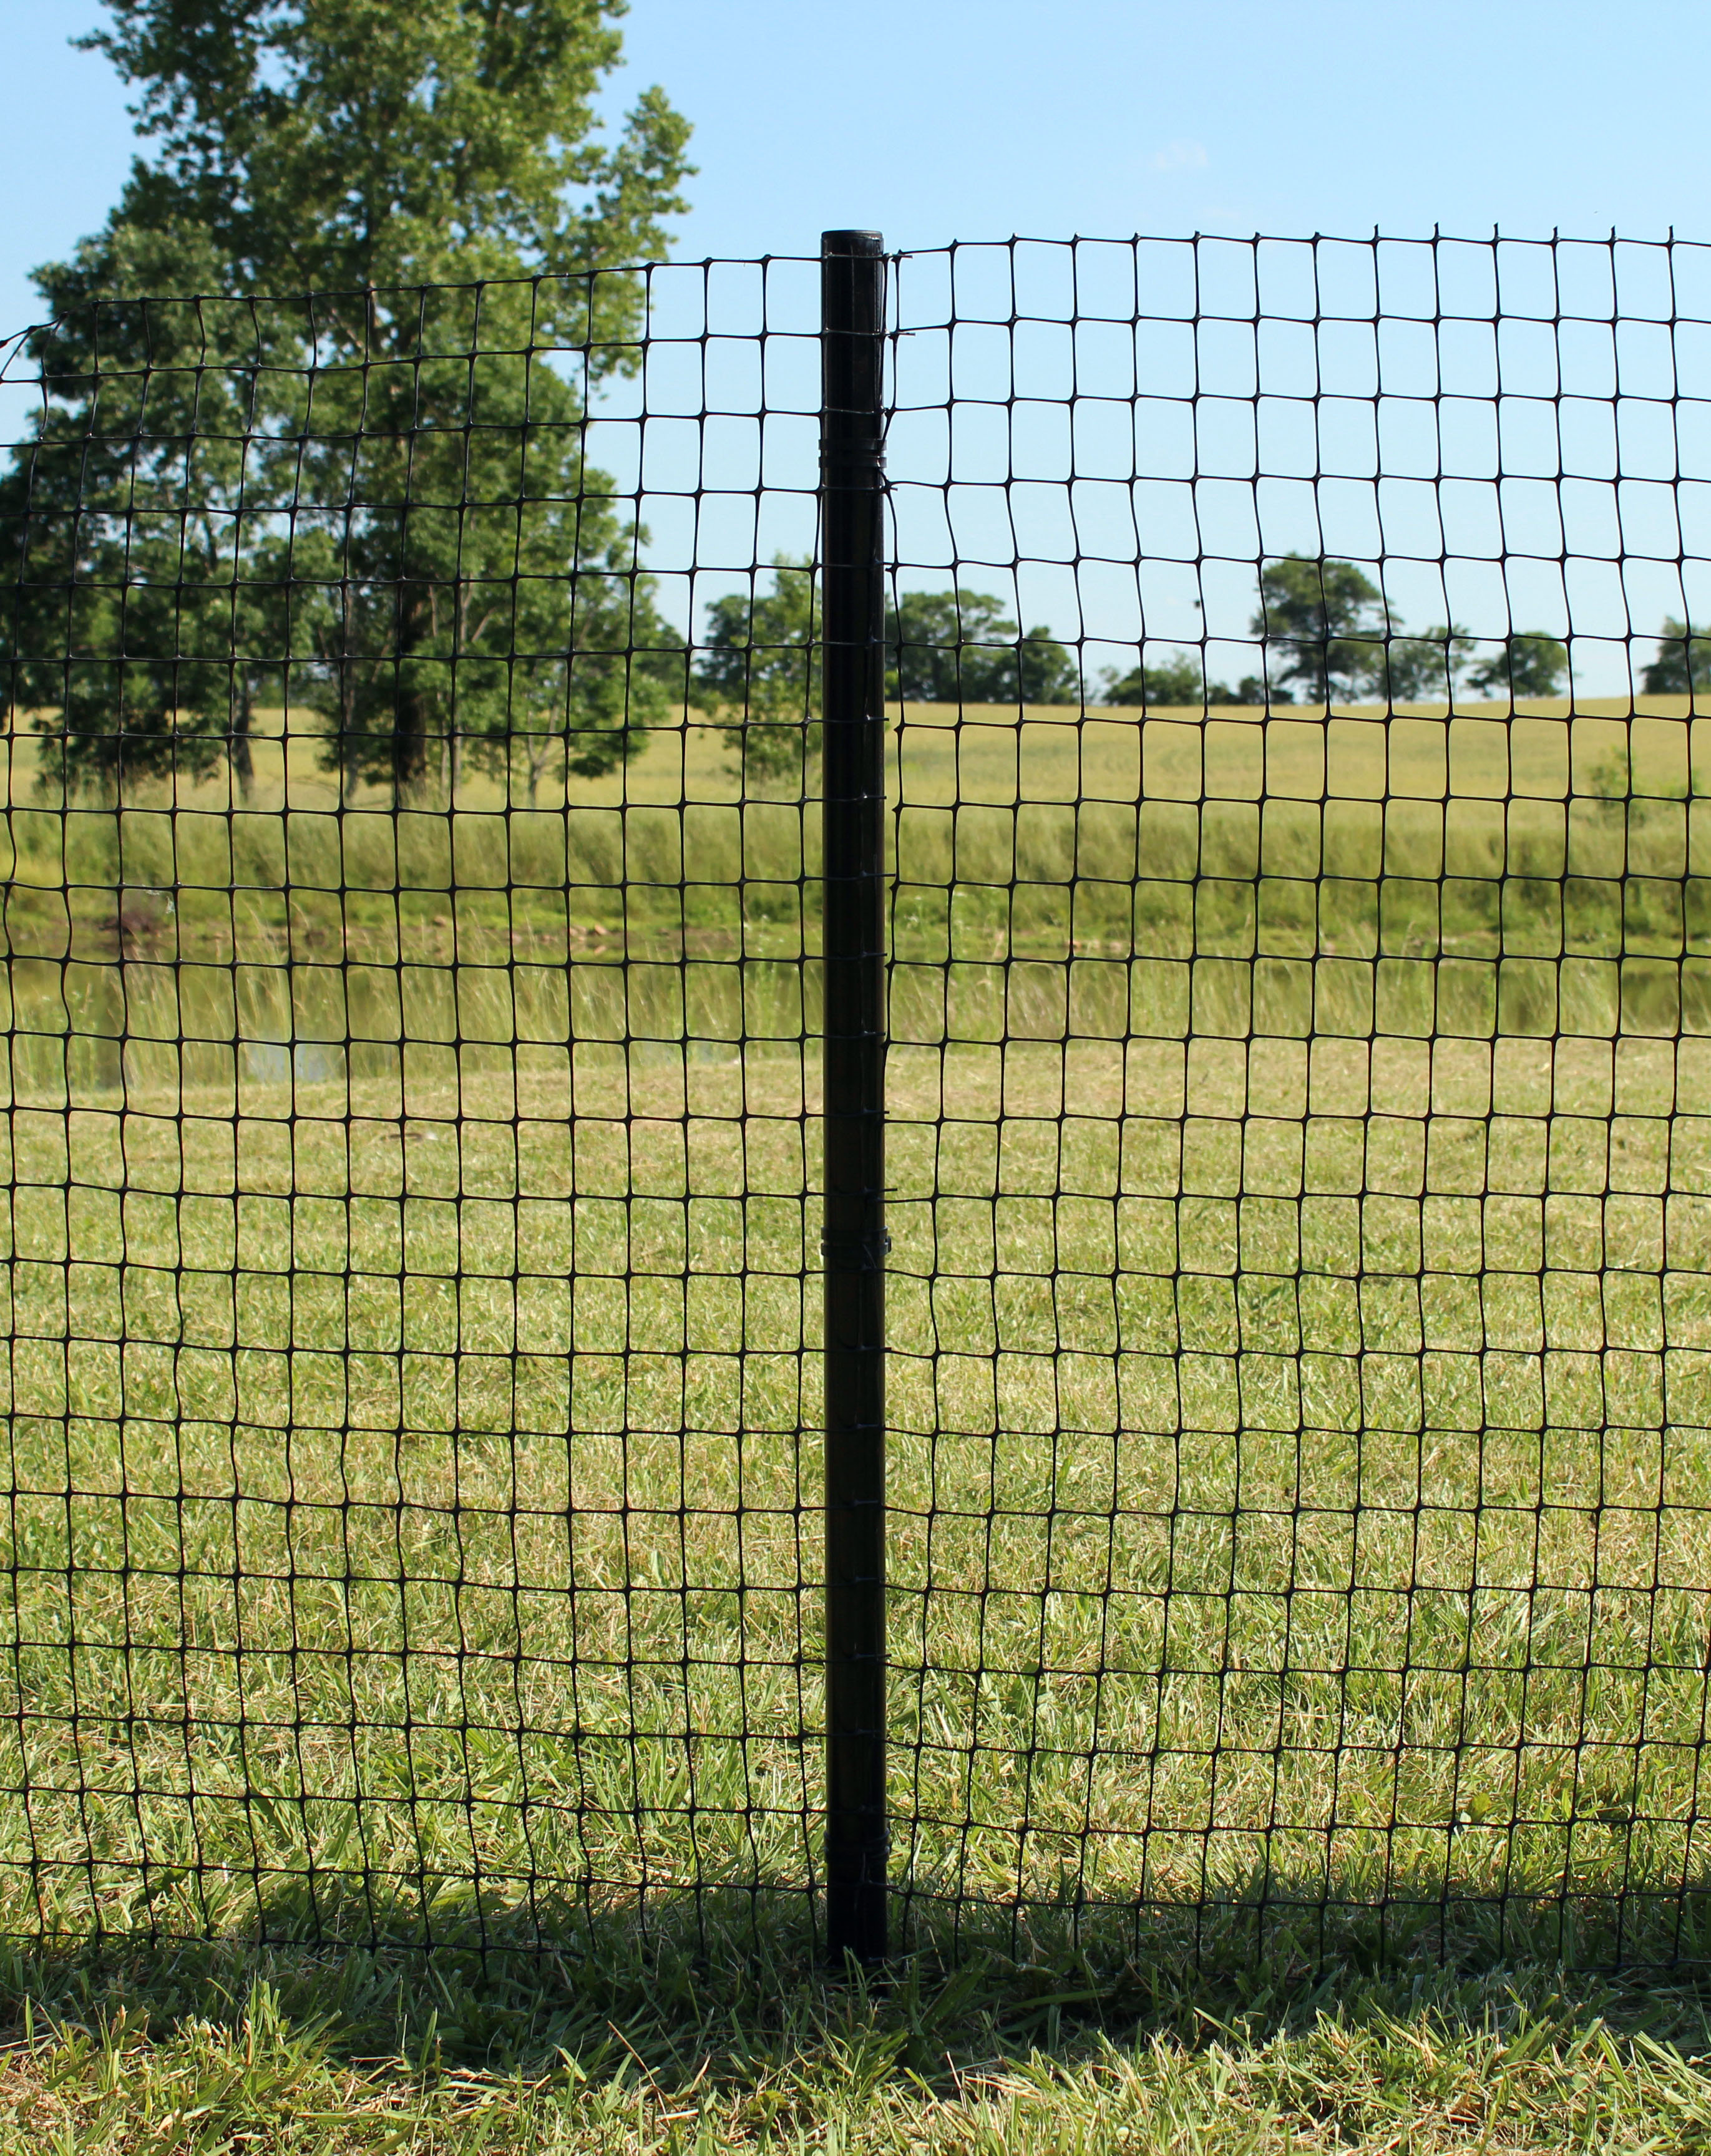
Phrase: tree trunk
(540, 748)
(343, 659)
(238, 749)
(413, 705)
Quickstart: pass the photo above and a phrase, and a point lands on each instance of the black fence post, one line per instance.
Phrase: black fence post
(852, 600)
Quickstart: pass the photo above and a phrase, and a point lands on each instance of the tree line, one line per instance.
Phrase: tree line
(1322, 627)
(1326, 633)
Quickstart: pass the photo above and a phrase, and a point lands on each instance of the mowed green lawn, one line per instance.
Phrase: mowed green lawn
(1301, 1383)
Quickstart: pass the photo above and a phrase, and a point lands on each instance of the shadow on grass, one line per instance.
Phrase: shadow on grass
(731, 1988)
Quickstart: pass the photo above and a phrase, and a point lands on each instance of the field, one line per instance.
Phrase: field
(1300, 1309)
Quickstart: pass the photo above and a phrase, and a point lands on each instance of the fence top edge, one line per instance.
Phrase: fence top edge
(540, 279)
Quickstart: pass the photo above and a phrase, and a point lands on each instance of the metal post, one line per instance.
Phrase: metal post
(852, 600)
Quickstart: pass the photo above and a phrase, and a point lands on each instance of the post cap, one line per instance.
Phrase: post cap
(851, 242)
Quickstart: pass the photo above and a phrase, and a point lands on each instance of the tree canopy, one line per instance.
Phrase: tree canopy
(333, 144)
(362, 498)
(760, 667)
(961, 647)
(1682, 666)
(1182, 681)
(1528, 665)
(1179, 679)
(1421, 665)
(1324, 620)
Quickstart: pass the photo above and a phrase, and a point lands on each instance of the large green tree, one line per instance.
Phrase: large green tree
(364, 497)
(1322, 623)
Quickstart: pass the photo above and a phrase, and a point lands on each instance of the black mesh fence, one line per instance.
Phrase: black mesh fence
(1297, 1102)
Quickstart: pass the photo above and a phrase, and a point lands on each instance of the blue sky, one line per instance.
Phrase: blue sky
(968, 119)
(973, 119)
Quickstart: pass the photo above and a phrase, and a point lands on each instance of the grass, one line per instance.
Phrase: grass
(1301, 1556)
(766, 2055)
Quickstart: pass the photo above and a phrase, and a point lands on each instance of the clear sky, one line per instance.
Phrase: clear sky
(966, 119)
(940, 120)
(969, 118)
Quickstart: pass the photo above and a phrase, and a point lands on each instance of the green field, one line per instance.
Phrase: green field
(1301, 1385)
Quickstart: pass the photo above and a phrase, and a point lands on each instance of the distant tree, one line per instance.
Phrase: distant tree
(1252, 690)
(961, 647)
(760, 663)
(949, 647)
(1424, 665)
(1682, 666)
(760, 670)
(579, 696)
(1180, 679)
(1324, 620)
(1180, 682)
(1046, 672)
(1528, 664)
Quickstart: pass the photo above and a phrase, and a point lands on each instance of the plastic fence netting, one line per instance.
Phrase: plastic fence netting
(1299, 1102)
(411, 1104)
